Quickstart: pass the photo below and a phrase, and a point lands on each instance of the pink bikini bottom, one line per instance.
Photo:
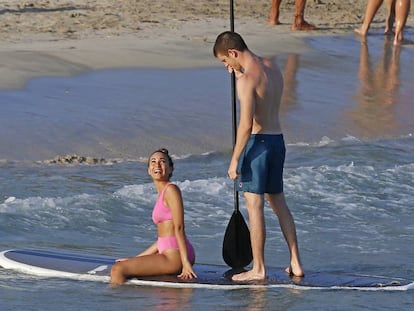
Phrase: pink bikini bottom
(170, 242)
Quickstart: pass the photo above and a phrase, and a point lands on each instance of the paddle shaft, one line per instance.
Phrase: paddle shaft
(234, 110)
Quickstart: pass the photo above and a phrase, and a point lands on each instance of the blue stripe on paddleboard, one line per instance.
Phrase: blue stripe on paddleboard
(51, 254)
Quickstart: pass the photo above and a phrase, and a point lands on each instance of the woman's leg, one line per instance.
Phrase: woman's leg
(402, 8)
(169, 262)
(390, 19)
(370, 11)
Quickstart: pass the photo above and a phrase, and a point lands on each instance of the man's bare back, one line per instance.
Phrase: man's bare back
(268, 93)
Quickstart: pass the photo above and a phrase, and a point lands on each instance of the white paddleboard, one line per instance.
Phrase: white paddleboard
(75, 265)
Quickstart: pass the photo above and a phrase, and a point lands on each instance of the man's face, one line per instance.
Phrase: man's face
(230, 61)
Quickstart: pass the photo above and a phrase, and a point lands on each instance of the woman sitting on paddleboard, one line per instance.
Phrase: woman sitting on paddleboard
(172, 253)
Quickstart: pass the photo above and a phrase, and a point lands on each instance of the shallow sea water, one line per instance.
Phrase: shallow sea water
(348, 177)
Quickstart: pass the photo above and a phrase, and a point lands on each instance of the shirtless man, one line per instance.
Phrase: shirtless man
(259, 152)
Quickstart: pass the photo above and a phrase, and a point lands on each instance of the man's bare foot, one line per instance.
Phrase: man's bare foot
(272, 21)
(305, 26)
(295, 271)
(248, 276)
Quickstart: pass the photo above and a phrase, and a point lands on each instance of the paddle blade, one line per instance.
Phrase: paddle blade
(237, 249)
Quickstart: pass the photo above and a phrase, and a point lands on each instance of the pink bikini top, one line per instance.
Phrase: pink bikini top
(161, 212)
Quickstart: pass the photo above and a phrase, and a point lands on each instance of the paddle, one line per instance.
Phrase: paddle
(237, 249)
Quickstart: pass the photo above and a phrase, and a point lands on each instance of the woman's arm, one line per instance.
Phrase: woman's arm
(149, 251)
(153, 249)
(174, 201)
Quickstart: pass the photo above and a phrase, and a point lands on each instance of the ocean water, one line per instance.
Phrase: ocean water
(347, 114)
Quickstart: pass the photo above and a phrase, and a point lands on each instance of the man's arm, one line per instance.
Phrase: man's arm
(245, 92)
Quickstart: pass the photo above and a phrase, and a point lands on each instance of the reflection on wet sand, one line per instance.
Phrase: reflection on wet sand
(347, 88)
(289, 96)
(336, 92)
(169, 298)
(263, 298)
(257, 299)
(377, 95)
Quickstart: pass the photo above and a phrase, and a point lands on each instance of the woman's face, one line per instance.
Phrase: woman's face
(159, 167)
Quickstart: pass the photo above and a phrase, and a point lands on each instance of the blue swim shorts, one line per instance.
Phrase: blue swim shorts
(261, 164)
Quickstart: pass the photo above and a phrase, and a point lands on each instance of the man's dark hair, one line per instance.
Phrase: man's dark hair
(228, 40)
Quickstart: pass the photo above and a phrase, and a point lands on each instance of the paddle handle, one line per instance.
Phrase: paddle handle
(232, 15)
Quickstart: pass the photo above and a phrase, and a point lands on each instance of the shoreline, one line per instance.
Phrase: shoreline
(51, 38)
(170, 50)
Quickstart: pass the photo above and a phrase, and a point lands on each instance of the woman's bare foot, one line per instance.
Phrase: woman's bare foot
(388, 32)
(248, 276)
(404, 41)
(361, 31)
(398, 38)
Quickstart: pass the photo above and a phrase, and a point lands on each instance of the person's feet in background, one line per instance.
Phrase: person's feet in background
(402, 8)
(371, 10)
(299, 22)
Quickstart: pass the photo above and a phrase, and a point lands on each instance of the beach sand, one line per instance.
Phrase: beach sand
(54, 37)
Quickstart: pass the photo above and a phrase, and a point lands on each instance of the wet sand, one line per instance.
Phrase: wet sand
(53, 37)
(333, 82)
